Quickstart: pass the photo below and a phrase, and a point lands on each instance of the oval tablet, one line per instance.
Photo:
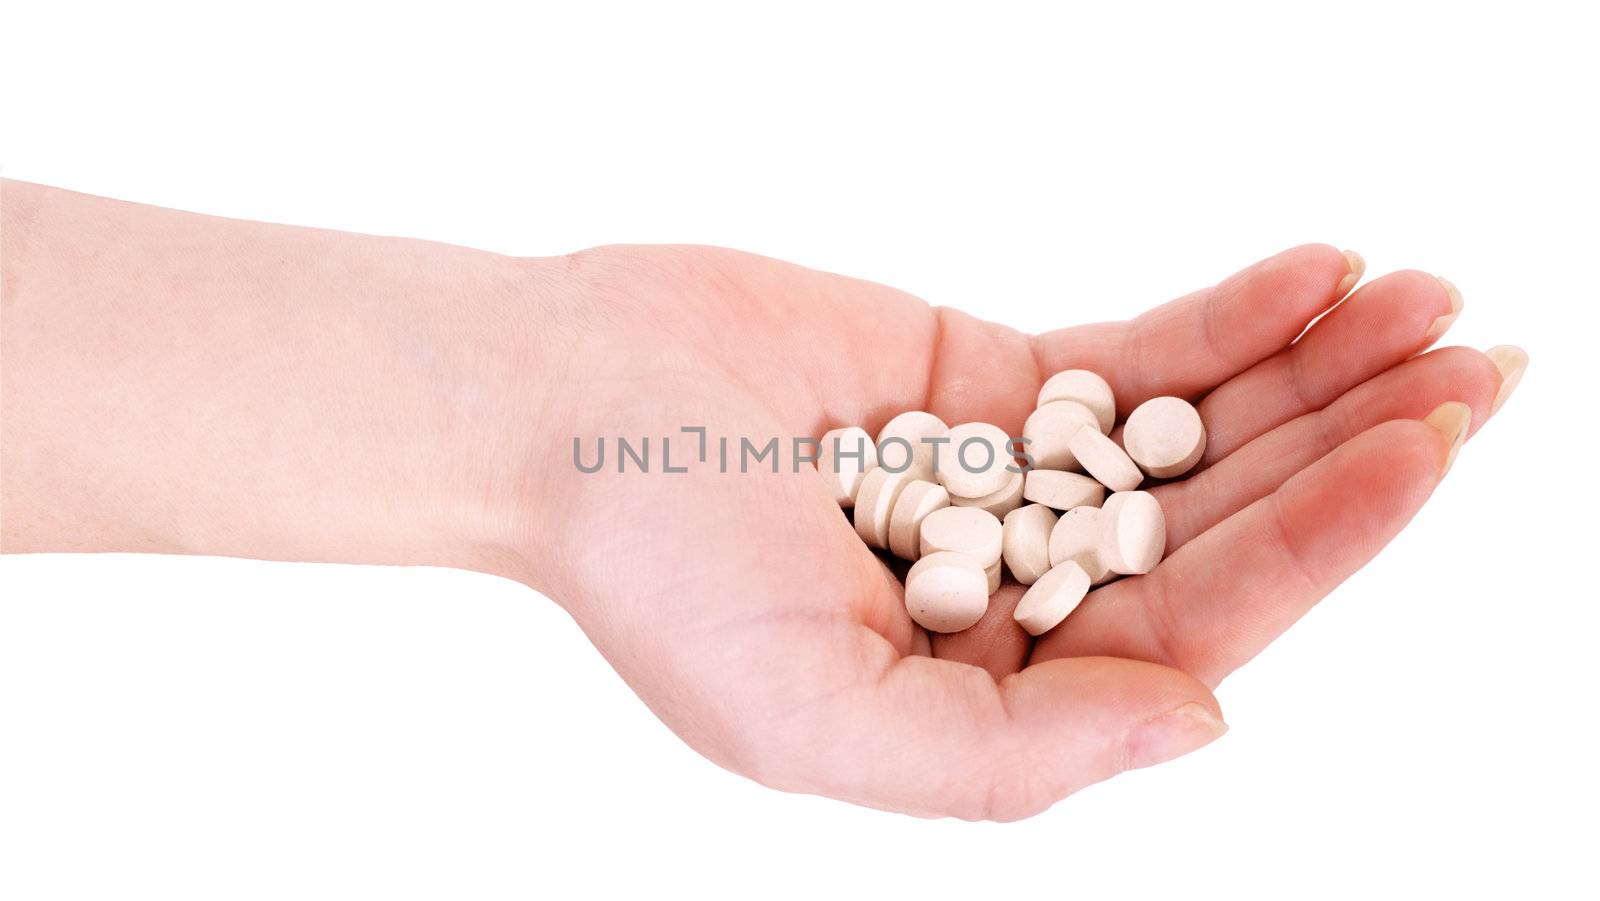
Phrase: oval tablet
(917, 500)
(880, 488)
(965, 530)
(1063, 490)
(992, 573)
(998, 504)
(844, 456)
(1050, 427)
(1133, 532)
(1076, 537)
(1025, 541)
(1100, 457)
(911, 428)
(1086, 388)
(1056, 594)
(1165, 437)
(975, 461)
(946, 591)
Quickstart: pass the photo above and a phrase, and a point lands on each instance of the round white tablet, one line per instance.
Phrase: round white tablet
(1056, 594)
(992, 573)
(1100, 457)
(1063, 490)
(974, 463)
(965, 530)
(901, 444)
(844, 456)
(1133, 532)
(1165, 436)
(1025, 541)
(1050, 427)
(880, 488)
(1086, 388)
(946, 592)
(1001, 502)
(1076, 537)
(917, 500)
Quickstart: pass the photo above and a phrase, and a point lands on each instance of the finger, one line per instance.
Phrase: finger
(979, 370)
(995, 643)
(1408, 391)
(936, 738)
(1379, 326)
(1221, 598)
(921, 643)
(1190, 345)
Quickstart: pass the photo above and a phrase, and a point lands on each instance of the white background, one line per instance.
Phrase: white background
(204, 728)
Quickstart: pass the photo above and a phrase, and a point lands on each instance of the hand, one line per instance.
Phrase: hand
(181, 384)
(745, 611)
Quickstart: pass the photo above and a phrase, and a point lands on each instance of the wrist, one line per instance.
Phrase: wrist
(510, 387)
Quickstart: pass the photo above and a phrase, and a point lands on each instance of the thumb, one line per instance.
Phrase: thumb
(938, 738)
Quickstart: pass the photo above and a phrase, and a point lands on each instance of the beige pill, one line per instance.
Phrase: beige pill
(992, 573)
(1056, 594)
(947, 591)
(964, 530)
(1050, 427)
(1086, 388)
(844, 474)
(1001, 502)
(1025, 541)
(917, 500)
(1100, 457)
(1076, 537)
(974, 463)
(915, 455)
(1133, 532)
(1063, 490)
(880, 488)
(1165, 437)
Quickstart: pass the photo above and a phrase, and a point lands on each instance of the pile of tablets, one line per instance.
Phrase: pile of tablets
(1059, 506)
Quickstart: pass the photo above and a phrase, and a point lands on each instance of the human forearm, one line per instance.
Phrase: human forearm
(187, 384)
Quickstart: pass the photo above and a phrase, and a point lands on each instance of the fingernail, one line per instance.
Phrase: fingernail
(1451, 418)
(1171, 734)
(1510, 360)
(1358, 268)
(1443, 322)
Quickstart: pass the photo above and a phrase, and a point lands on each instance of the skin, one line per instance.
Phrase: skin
(177, 383)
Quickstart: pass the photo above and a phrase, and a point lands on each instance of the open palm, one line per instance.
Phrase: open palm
(746, 612)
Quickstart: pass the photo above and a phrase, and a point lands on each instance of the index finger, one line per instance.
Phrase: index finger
(1191, 345)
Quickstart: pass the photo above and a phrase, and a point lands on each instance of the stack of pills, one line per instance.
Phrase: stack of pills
(1067, 516)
